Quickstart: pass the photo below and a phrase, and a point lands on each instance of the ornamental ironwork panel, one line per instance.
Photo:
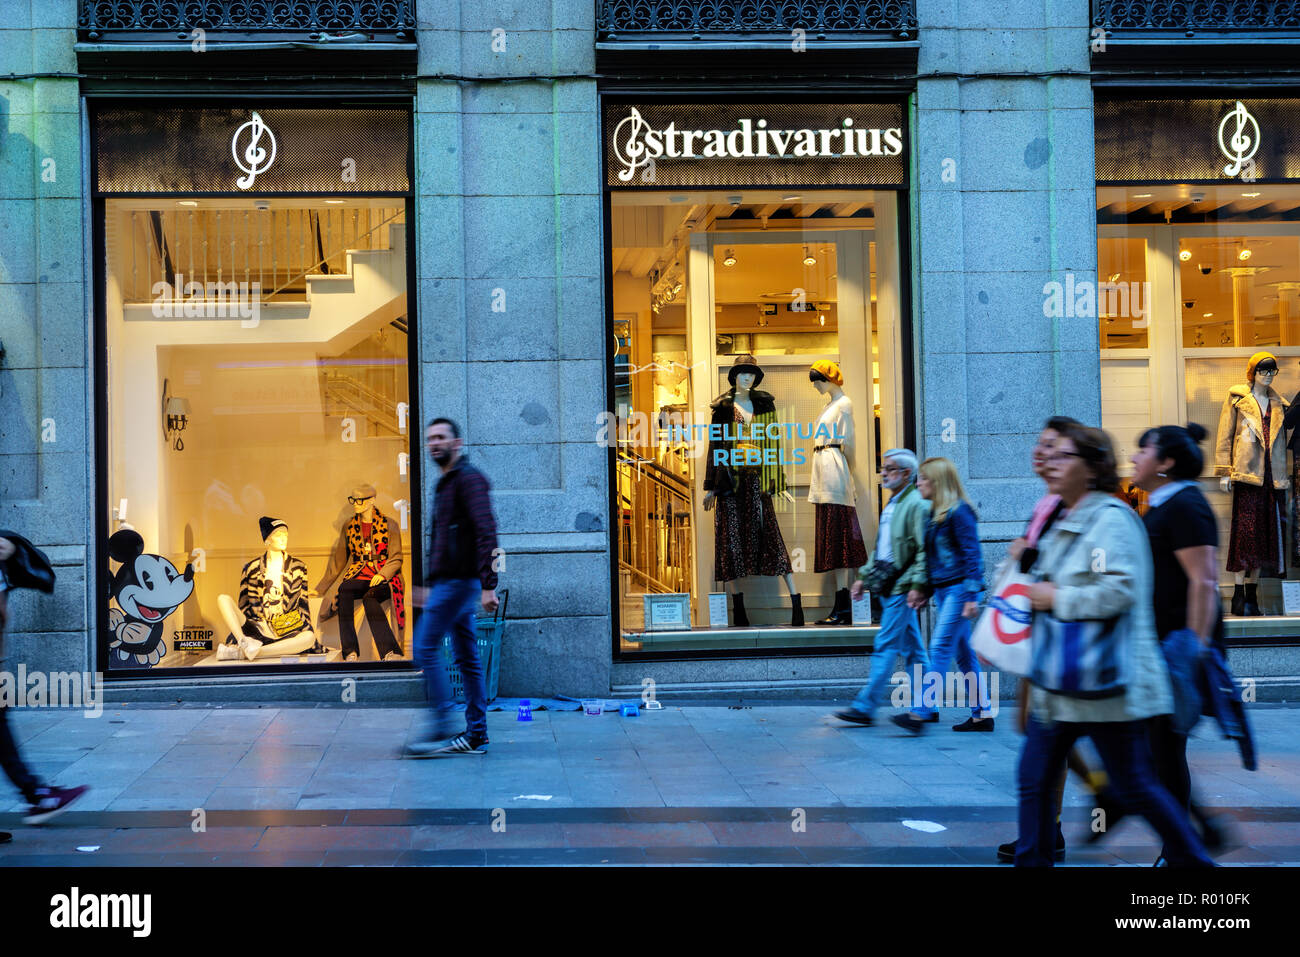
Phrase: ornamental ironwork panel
(754, 19)
(1193, 17)
(108, 20)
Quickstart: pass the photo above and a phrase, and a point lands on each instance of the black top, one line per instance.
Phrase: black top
(463, 536)
(1184, 520)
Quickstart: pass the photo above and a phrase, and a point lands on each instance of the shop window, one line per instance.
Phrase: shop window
(257, 430)
(709, 287)
(1221, 266)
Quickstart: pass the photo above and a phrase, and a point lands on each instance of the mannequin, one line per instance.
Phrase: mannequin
(1251, 459)
(272, 585)
(365, 565)
(839, 549)
(747, 538)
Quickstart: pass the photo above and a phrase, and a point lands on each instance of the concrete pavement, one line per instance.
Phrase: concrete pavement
(770, 784)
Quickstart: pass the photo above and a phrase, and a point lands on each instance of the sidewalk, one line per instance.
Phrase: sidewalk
(688, 784)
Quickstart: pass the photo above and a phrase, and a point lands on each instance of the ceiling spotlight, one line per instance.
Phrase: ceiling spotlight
(1141, 195)
(822, 320)
(1114, 278)
(1184, 254)
(791, 198)
(1207, 315)
(808, 258)
(730, 259)
(334, 202)
(1250, 195)
(1243, 255)
(186, 202)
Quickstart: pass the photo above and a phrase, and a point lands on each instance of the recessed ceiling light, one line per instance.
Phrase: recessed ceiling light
(1141, 195)
(186, 202)
(1250, 195)
(1207, 315)
(1243, 255)
(334, 202)
(791, 198)
(1184, 254)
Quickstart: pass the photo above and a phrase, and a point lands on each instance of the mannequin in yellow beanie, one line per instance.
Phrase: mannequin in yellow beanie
(1250, 460)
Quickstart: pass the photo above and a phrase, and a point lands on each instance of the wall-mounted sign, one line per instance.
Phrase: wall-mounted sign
(1197, 141)
(783, 144)
(243, 150)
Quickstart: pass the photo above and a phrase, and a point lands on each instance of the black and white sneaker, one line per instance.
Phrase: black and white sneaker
(463, 744)
(51, 802)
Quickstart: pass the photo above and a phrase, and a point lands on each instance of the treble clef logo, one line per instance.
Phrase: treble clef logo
(631, 152)
(254, 159)
(1241, 146)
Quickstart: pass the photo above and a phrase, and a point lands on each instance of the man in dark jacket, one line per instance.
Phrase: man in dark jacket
(460, 576)
(23, 566)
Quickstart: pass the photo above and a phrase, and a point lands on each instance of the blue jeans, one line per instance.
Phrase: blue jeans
(900, 634)
(952, 636)
(1123, 749)
(452, 607)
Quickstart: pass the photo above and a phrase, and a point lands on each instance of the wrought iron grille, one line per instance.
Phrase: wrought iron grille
(749, 19)
(1197, 17)
(144, 20)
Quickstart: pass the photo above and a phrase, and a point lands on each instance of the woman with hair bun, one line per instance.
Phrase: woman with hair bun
(1185, 578)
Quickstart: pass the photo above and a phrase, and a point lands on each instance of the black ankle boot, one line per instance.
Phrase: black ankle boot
(738, 617)
(842, 613)
(1238, 600)
(796, 611)
(1251, 605)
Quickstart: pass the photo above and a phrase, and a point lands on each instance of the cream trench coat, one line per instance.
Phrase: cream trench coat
(1239, 452)
(1108, 573)
(832, 482)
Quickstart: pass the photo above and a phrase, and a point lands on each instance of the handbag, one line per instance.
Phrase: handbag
(1002, 636)
(1087, 658)
(287, 623)
(881, 578)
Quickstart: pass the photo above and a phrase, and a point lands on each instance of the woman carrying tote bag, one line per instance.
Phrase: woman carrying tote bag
(1097, 671)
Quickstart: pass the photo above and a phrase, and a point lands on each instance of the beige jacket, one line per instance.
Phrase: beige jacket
(1106, 574)
(1239, 453)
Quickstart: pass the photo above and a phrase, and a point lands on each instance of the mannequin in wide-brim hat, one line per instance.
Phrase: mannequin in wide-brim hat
(747, 539)
(1250, 459)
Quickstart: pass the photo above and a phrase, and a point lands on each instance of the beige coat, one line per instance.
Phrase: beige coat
(1239, 453)
(1106, 574)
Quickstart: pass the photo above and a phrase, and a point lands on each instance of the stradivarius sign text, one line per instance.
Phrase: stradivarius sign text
(637, 143)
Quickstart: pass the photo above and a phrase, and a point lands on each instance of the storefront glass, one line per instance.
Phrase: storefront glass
(746, 492)
(256, 419)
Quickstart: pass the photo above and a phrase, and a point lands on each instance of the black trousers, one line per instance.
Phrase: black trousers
(372, 600)
(10, 759)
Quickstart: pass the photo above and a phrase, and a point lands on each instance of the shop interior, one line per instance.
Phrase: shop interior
(700, 278)
(1210, 276)
(269, 380)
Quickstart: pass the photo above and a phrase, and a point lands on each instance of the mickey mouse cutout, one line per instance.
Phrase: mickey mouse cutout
(147, 589)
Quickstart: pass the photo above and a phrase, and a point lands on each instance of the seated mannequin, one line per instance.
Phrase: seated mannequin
(273, 584)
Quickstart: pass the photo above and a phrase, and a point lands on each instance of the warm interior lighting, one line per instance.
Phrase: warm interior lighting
(730, 259)
(808, 258)
(1184, 254)
(1243, 255)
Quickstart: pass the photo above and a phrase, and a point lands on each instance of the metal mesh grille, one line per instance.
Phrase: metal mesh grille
(190, 151)
(624, 134)
(1168, 140)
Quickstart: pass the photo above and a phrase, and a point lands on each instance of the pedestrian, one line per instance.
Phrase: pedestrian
(459, 577)
(1024, 550)
(1095, 565)
(22, 565)
(1184, 540)
(896, 568)
(955, 567)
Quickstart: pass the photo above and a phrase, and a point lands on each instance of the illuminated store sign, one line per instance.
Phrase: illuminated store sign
(693, 144)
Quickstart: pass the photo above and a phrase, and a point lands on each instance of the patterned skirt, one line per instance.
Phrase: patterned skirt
(747, 539)
(1256, 540)
(839, 538)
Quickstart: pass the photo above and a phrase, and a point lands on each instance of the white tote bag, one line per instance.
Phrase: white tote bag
(1001, 636)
